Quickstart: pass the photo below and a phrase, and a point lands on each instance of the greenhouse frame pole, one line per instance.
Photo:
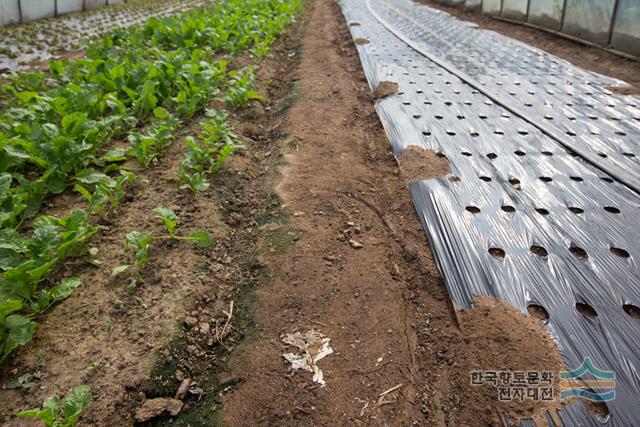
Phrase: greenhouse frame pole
(564, 11)
(613, 21)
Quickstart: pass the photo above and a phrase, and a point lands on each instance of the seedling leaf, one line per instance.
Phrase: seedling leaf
(201, 239)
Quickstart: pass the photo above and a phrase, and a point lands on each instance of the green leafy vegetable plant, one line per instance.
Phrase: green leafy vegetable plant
(135, 85)
(62, 413)
(141, 243)
(208, 153)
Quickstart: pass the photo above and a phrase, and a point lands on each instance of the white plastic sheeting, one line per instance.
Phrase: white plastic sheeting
(626, 32)
(491, 7)
(16, 11)
(515, 9)
(473, 4)
(37, 9)
(94, 4)
(589, 19)
(546, 13)
(9, 12)
(69, 6)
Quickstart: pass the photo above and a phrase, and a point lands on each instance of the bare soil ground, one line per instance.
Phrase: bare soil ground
(383, 305)
(315, 230)
(582, 55)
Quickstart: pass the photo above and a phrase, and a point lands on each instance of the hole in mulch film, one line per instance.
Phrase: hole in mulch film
(439, 117)
(539, 250)
(508, 208)
(466, 153)
(485, 178)
(632, 310)
(607, 179)
(474, 133)
(519, 153)
(360, 41)
(472, 209)
(547, 153)
(619, 132)
(546, 178)
(619, 252)
(542, 211)
(454, 178)
(576, 178)
(538, 311)
(586, 309)
(497, 252)
(600, 409)
(630, 155)
(417, 116)
(578, 252)
(515, 183)
(498, 132)
(354, 24)
(426, 132)
(603, 155)
(571, 133)
(612, 209)
(523, 132)
(576, 210)
(492, 155)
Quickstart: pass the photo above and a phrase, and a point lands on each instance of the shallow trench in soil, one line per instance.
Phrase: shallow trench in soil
(314, 230)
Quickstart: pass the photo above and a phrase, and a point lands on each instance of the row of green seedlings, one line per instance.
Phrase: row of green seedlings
(55, 124)
(55, 239)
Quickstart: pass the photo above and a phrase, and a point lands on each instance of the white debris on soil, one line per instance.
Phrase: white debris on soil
(314, 346)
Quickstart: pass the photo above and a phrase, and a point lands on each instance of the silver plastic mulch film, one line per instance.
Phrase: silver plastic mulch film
(571, 102)
(521, 218)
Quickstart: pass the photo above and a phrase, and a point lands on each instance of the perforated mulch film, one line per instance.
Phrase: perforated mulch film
(542, 205)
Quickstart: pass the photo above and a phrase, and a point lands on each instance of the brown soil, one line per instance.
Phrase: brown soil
(417, 163)
(341, 251)
(385, 88)
(582, 55)
(383, 305)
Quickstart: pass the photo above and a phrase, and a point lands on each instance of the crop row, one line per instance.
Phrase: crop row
(42, 39)
(74, 126)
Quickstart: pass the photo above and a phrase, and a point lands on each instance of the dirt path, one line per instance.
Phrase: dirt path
(383, 305)
(340, 250)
